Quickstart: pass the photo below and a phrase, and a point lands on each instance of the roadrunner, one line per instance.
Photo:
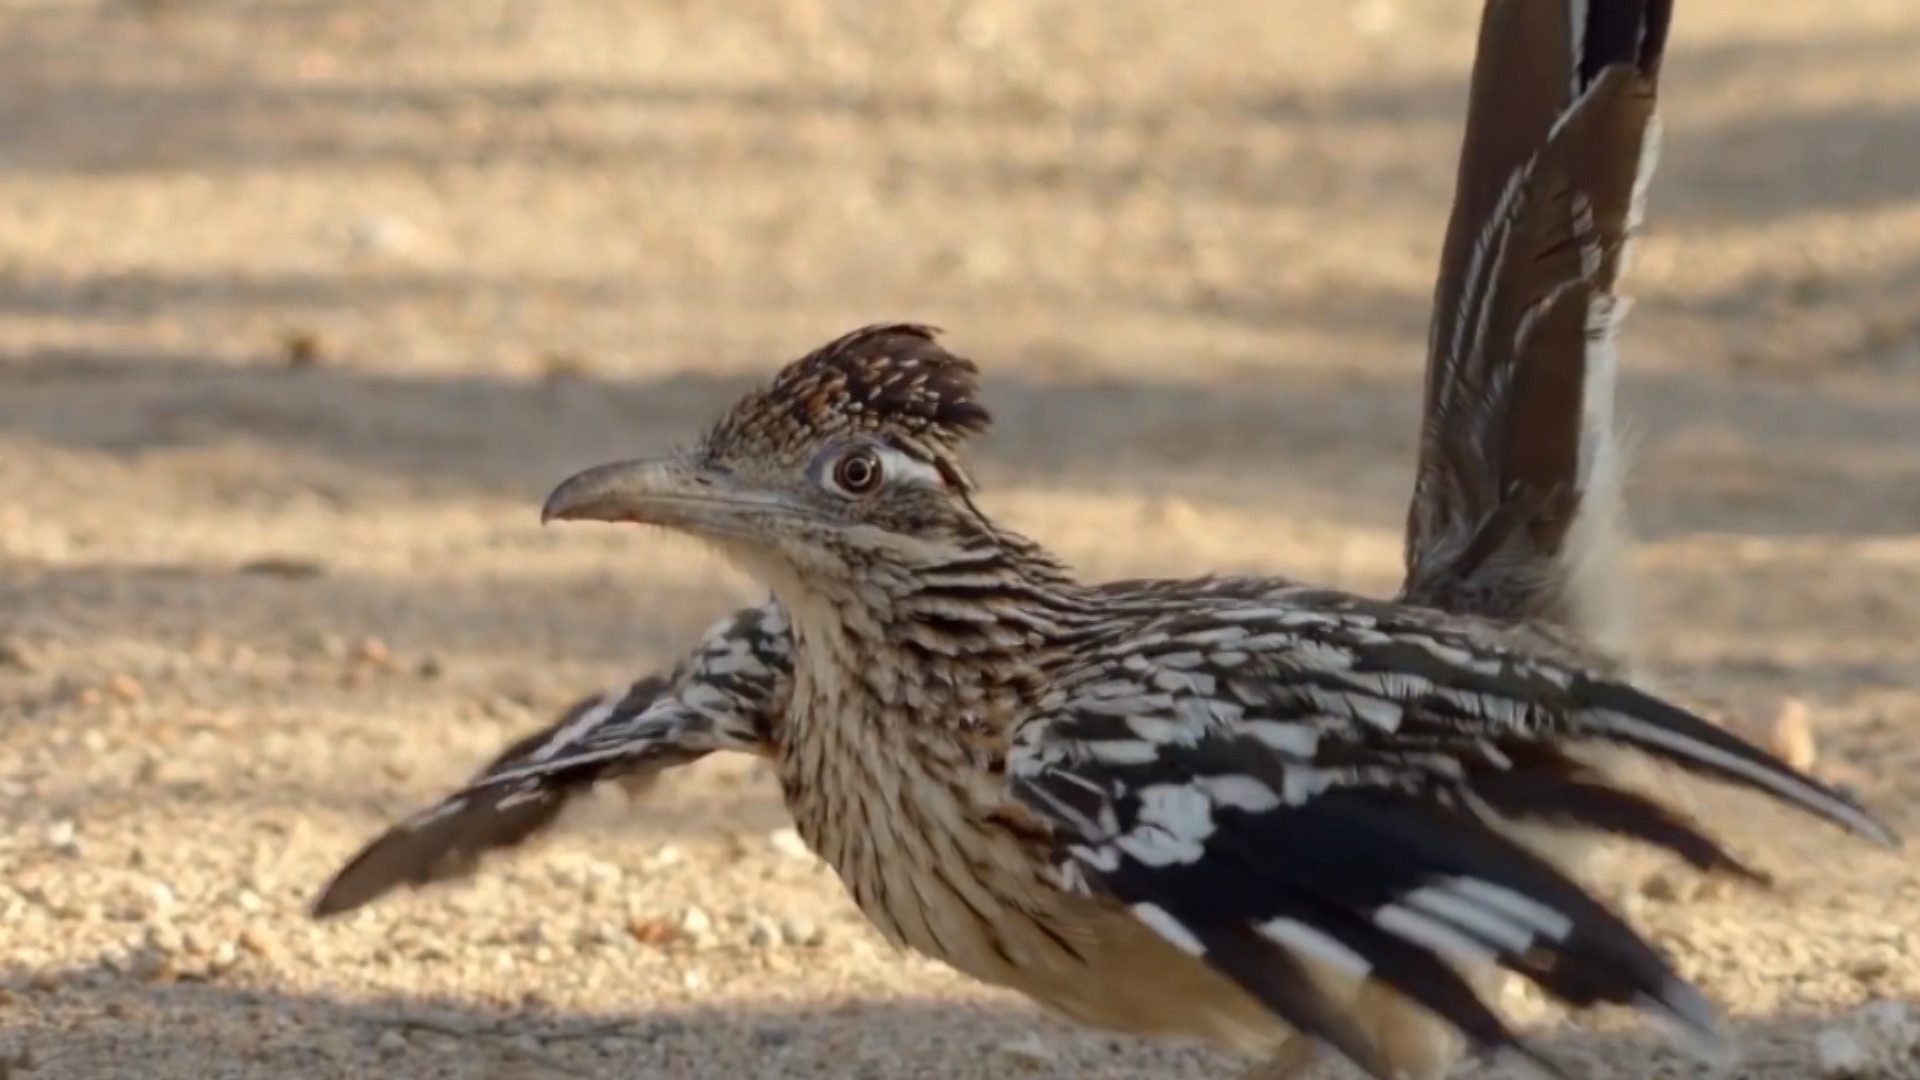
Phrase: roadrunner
(1065, 782)
(1516, 510)
(1222, 808)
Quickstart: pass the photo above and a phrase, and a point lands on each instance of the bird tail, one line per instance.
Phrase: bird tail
(1516, 510)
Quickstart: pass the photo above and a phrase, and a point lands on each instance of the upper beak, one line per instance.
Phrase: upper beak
(670, 491)
(623, 491)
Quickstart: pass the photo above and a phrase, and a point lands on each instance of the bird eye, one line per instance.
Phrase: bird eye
(858, 472)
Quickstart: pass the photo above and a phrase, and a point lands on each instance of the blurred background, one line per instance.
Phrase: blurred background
(305, 304)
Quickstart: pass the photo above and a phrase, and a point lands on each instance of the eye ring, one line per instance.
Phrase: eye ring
(858, 471)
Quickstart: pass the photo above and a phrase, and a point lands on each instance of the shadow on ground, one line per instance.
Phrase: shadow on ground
(111, 1027)
(1763, 458)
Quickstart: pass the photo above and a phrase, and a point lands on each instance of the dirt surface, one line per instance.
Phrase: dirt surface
(304, 305)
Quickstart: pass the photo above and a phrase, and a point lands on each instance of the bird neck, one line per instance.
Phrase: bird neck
(952, 639)
(907, 682)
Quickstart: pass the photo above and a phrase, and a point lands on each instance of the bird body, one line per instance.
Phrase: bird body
(1275, 796)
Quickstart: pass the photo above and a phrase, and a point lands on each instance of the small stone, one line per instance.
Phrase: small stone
(225, 955)
(391, 1043)
(1840, 1054)
(302, 348)
(247, 900)
(125, 688)
(257, 941)
(763, 933)
(788, 842)
(1668, 886)
(649, 931)
(63, 837)
(163, 938)
(1869, 970)
(149, 964)
(666, 855)
(525, 1044)
(1027, 1052)
(284, 567)
(801, 932)
(1892, 1018)
(15, 654)
(694, 979)
(381, 234)
(374, 653)
(1790, 735)
(562, 366)
(695, 922)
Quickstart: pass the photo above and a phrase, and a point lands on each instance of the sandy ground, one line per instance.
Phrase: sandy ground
(304, 304)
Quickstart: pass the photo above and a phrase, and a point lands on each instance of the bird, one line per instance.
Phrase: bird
(1516, 510)
(1220, 808)
(1514, 534)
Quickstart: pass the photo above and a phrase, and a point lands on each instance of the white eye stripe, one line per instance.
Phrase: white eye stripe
(895, 465)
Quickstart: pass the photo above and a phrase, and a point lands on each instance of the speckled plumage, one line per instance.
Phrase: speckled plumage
(1273, 797)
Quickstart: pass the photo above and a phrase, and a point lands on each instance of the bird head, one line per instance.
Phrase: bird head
(846, 464)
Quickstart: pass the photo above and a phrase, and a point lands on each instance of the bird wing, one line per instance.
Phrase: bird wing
(1265, 785)
(728, 695)
(1515, 506)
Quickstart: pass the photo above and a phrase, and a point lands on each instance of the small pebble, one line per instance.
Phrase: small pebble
(1891, 1017)
(15, 654)
(63, 837)
(763, 933)
(1668, 886)
(301, 348)
(1840, 1054)
(801, 932)
(390, 1042)
(772, 1038)
(1027, 1051)
(149, 964)
(1790, 735)
(257, 941)
(788, 842)
(649, 931)
(694, 922)
(164, 938)
(225, 955)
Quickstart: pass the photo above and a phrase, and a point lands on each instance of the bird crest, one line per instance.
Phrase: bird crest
(888, 380)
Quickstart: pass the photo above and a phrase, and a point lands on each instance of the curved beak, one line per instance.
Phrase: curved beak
(677, 492)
